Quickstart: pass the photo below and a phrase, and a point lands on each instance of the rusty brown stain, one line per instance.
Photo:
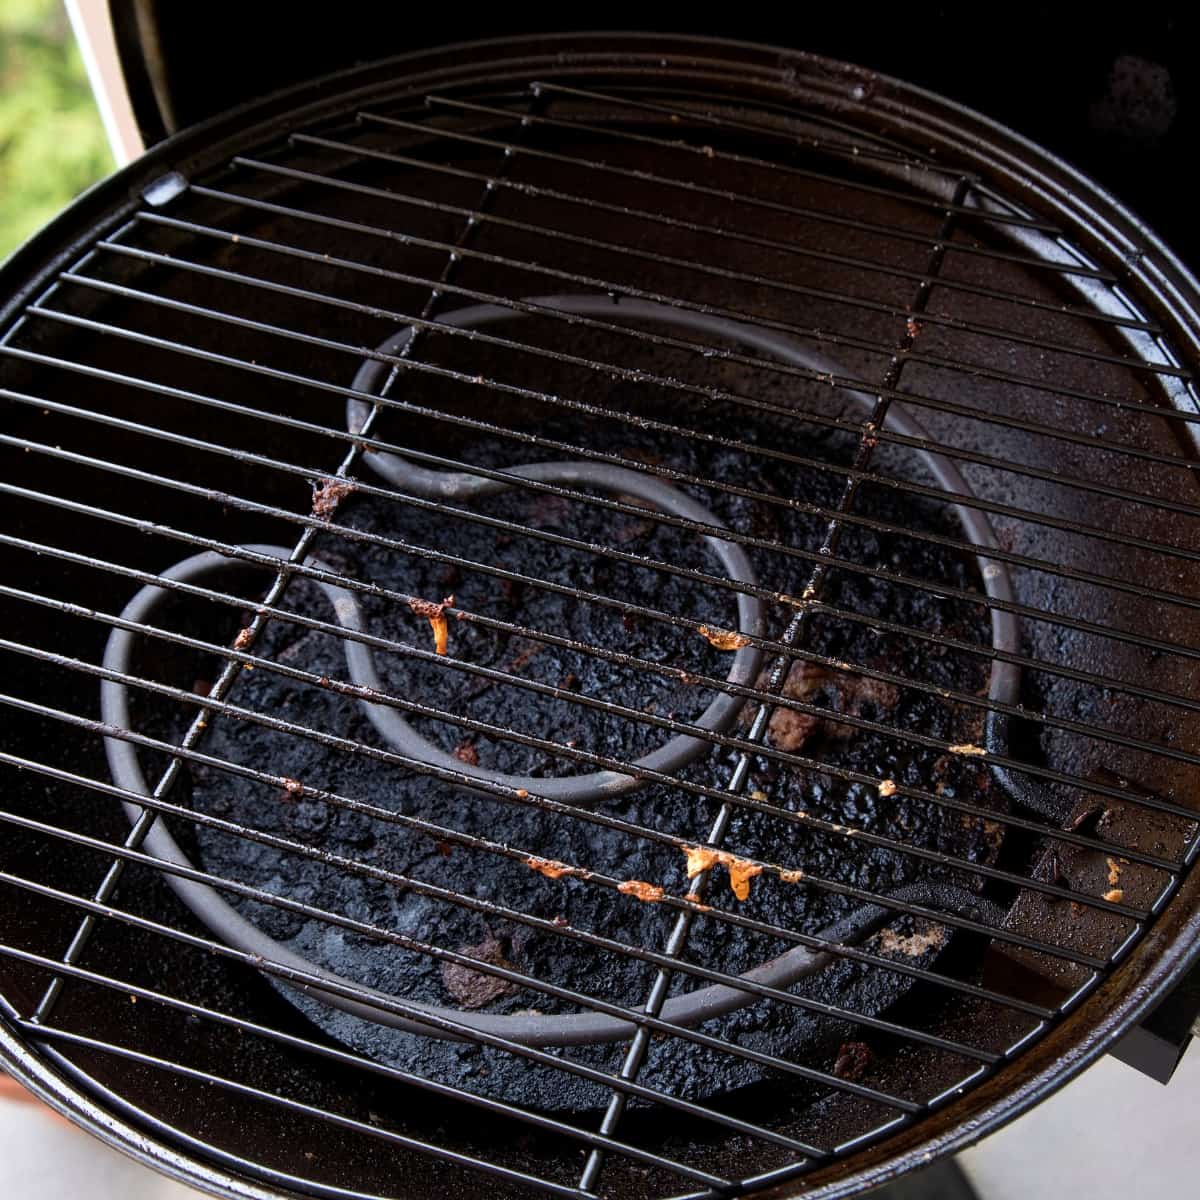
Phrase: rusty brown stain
(650, 893)
(853, 1060)
(244, 637)
(522, 659)
(465, 752)
(474, 989)
(724, 639)
(328, 495)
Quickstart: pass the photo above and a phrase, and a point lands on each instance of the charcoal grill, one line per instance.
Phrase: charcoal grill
(603, 616)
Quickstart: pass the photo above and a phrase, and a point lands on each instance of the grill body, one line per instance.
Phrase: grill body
(1106, 256)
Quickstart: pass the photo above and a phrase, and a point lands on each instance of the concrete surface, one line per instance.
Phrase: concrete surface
(1112, 1132)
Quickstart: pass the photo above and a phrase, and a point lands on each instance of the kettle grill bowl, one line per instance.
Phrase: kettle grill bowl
(273, 1099)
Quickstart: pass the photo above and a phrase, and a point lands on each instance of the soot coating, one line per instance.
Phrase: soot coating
(673, 1064)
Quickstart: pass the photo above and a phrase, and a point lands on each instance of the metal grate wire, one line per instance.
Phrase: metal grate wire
(175, 284)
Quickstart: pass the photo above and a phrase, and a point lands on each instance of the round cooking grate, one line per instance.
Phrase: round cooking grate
(614, 615)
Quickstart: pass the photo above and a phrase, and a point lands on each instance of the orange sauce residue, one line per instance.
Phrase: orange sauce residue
(741, 870)
(550, 867)
(740, 874)
(441, 634)
(968, 748)
(648, 892)
(724, 639)
(435, 614)
(700, 858)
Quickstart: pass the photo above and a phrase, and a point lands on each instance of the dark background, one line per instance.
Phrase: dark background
(1111, 88)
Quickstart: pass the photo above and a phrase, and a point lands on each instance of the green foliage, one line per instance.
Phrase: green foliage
(52, 144)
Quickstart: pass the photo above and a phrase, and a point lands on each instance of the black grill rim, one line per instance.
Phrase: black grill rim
(1166, 289)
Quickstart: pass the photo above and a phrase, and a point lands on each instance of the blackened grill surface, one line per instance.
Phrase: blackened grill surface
(183, 388)
(681, 1069)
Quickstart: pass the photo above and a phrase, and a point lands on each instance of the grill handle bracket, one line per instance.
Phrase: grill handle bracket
(1156, 1045)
